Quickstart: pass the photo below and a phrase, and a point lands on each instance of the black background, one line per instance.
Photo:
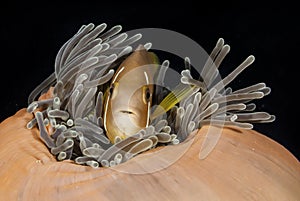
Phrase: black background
(31, 35)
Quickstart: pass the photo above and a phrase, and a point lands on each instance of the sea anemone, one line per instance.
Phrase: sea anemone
(83, 67)
(202, 147)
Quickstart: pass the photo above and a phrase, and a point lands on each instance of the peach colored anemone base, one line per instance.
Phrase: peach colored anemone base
(245, 165)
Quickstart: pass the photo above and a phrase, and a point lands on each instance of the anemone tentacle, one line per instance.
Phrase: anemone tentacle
(84, 66)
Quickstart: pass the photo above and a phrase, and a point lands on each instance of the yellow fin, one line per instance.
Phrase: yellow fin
(180, 92)
(154, 58)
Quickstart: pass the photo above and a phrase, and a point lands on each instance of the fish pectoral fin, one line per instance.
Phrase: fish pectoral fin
(180, 92)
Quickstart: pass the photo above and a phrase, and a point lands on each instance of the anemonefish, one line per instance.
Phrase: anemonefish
(128, 99)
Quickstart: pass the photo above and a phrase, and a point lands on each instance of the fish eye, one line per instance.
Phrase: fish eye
(111, 88)
(146, 95)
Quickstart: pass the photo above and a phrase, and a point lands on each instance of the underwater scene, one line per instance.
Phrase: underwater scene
(157, 101)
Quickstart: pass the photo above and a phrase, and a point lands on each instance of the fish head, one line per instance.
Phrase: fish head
(128, 100)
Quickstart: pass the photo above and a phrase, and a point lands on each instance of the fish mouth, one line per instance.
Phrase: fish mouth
(127, 112)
